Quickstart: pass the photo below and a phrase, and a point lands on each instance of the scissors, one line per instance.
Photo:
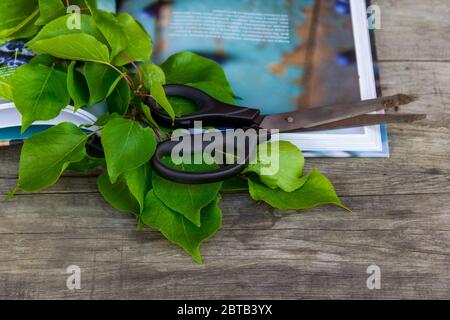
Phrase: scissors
(218, 114)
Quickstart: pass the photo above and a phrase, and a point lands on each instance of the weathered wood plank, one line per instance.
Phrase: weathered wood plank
(258, 254)
(414, 30)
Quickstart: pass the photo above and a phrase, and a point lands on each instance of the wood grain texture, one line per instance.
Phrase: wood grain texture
(400, 219)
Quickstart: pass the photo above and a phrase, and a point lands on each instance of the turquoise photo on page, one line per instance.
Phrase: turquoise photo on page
(279, 56)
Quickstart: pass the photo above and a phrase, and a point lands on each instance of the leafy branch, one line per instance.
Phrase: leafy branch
(108, 60)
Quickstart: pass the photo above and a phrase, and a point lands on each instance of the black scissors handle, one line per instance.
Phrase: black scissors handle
(187, 177)
(209, 110)
(226, 171)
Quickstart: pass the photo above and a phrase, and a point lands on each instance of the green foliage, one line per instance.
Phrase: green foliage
(157, 92)
(88, 163)
(81, 47)
(50, 10)
(127, 146)
(139, 183)
(101, 81)
(109, 26)
(97, 63)
(119, 99)
(58, 27)
(77, 86)
(118, 194)
(315, 189)
(152, 73)
(39, 92)
(139, 42)
(46, 155)
(189, 68)
(189, 199)
(279, 165)
(5, 87)
(15, 15)
(177, 228)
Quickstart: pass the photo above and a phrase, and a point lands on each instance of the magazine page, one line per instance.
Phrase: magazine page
(279, 56)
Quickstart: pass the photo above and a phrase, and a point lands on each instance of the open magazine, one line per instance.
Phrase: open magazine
(277, 57)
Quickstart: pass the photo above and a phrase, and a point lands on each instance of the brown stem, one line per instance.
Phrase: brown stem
(138, 72)
(124, 75)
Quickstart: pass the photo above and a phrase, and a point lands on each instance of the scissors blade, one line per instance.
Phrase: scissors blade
(308, 118)
(368, 120)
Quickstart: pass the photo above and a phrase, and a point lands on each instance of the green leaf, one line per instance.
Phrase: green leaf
(214, 90)
(46, 155)
(118, 195)
(178, 229)
(152, 73)
(158, 93)
(235, 184)
(187, 199)
(109, 26)
(59, 27)
(127, 146)
(50, 10)
(182, 106)
(316, 190)
(77, 87)
(43, 59)
(81, 47)
(5, 87)
(26, 29)
(101, 80)
(139, 42)
(15, 14)
(87, 164)
(119, 100)
(148, 114)
(279, 165)
(39, 92)
(139, 183)
(104, 119)
(187, 67)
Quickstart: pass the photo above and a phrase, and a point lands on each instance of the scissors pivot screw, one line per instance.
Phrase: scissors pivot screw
(290, 119)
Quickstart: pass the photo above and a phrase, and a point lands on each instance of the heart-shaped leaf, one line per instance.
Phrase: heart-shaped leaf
(46, 155)
(127, 146)
(188, 67)
(109, 26)
(315, 190)
(39, 92)
(279, 165)
(177, 229)
(189, 199)
(62, 26)
(81, 47)
(139, 42)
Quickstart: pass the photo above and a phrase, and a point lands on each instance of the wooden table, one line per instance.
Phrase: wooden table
(400, 219)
